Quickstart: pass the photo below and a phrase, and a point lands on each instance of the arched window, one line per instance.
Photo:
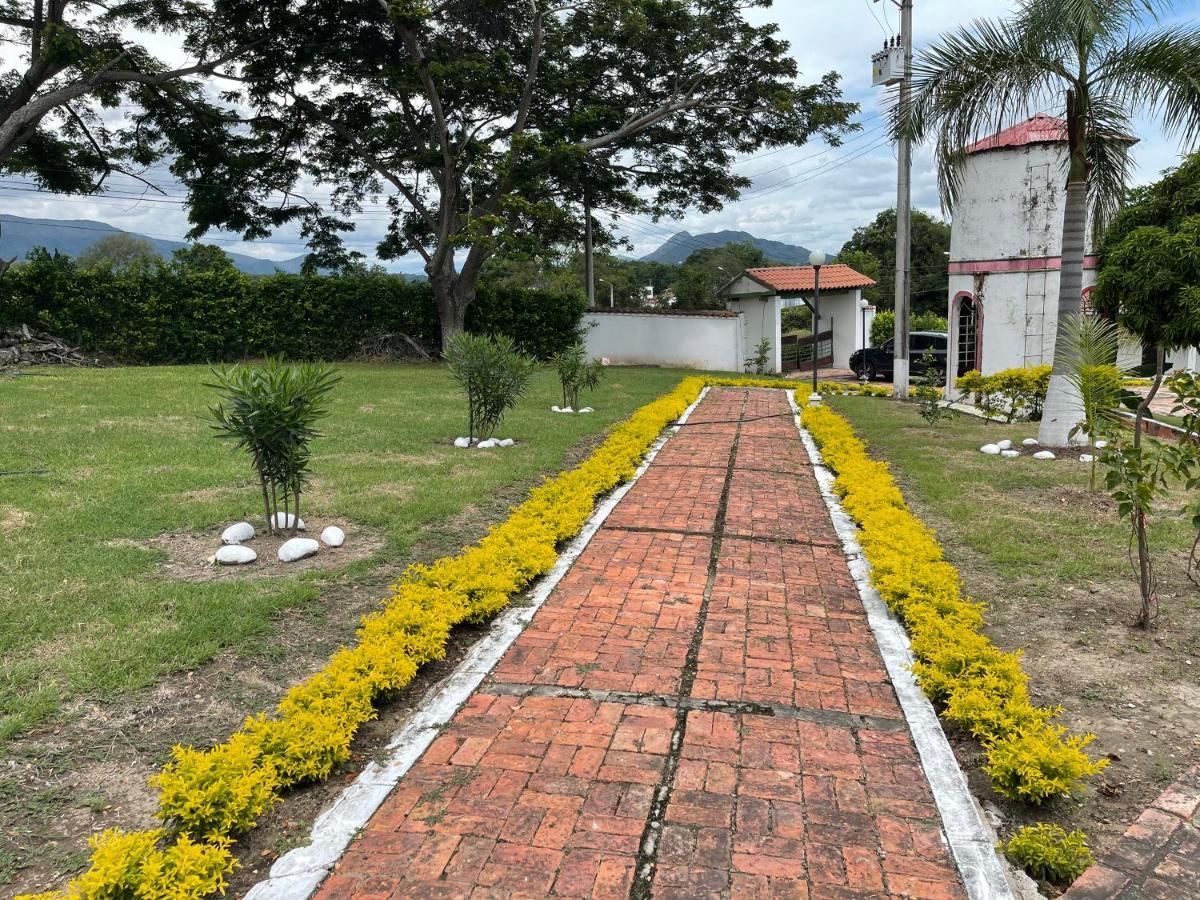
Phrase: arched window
(1086, 305)
(968, 316)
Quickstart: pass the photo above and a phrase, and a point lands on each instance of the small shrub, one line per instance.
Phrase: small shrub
(762, 356)
(492, 375)
(1009, 392)
(1040, 764)
(927, 392)
(576, 373)
(271, 412)
(1048, 853)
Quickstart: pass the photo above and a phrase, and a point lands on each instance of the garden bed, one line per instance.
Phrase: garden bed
(135, 661)
(1049, 558)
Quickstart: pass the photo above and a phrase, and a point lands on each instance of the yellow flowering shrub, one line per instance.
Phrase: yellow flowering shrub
(978, 686)
(209, 796)
(132, 866)
(1048, 852)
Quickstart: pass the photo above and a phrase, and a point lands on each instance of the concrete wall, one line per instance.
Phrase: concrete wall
(674, 340)
(760, 317)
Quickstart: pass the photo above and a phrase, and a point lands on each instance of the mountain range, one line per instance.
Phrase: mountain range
(682, 245)
(72, 237)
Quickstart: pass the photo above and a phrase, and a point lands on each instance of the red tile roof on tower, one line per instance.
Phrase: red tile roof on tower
(1041, 129)
(834, 277)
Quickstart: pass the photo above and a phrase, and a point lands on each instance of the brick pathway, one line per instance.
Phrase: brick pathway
(1159, 856)
(698, 710)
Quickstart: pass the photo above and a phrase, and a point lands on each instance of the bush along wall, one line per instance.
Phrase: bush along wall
(163, 314)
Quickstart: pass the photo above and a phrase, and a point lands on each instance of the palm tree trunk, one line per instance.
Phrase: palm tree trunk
(1064, 406)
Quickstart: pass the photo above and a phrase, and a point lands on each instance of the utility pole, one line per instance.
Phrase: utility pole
(589, 262)
(894, 66)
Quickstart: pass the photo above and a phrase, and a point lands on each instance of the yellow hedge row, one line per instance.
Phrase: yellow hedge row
(210, 796)
(976, 684)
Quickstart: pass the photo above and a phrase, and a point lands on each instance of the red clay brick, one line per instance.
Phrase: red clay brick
(536, 796)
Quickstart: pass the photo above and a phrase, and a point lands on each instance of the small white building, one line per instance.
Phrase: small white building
(1006, 252)
(844, 325)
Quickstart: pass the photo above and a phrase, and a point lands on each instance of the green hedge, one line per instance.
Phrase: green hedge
(161, 313)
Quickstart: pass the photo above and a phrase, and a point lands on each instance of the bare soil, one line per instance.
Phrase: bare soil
(90, 769)
(189, 556)
(1137, 690)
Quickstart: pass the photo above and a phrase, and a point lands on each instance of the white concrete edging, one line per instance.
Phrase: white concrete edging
(299, 872)
(971, 841)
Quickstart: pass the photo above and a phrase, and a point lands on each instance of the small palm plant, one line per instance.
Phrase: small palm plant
(271, 411)
(492, 374)
(576, 373)
(1091, 346)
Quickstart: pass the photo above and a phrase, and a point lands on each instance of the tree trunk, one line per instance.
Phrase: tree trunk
(1064, 406)
(452, 297)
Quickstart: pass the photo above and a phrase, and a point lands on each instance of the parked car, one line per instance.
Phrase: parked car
(878, 361)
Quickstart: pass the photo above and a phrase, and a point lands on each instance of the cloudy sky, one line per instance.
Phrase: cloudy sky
(810, 195)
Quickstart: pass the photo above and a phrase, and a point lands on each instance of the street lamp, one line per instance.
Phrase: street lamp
(816, 259)
(863, 304)
(611, 303)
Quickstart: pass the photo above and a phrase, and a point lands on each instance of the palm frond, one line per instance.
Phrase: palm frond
(1159, 69)
(974, 82)
(1090, 347)
(1110, 163)
(1093, 20)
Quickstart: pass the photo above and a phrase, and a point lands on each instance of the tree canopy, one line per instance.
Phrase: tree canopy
(872, 251)
(75, 63)
(480, 125)
(706, 271)
(117, 252)
(1149, 277)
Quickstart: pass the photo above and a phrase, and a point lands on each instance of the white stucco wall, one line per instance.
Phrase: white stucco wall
(677, 340)
(841, 312)
(760, 317)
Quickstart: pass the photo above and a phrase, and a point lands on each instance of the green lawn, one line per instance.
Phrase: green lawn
(1027, 518)
(84, 612)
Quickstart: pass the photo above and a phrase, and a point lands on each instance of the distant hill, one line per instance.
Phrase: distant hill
(19, 235)
(684, 244)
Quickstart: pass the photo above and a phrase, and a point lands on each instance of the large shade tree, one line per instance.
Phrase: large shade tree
(483, 124)
(80, 98)
(1097, 63)
(930, 261)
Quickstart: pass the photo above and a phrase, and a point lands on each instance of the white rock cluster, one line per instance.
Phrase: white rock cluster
(233, 551)
(1007, 449)
(463, 443)
(567, 409)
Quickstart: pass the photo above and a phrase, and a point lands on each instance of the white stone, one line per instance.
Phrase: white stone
(488, 444)
(990, 449)
(287, 520)
(462, 443)
(556, 409)
(1030, 442)
(298, 548)
(1100, 445)
(507, 442)
(1044, 454)
(1010, 454)
(1005, 444)
(567, 409)
(587, 409)
(333, 536)
(237, 534)
(235, 555)
(1086, 457)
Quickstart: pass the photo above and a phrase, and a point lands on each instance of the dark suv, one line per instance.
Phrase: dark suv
(879, 360)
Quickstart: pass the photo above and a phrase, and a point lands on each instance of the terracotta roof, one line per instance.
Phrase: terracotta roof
(652, 311)
(1041, 129)
(834, 277)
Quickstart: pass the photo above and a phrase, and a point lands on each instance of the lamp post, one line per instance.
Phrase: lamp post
(816, 259)
(863, 305)
(611, 298)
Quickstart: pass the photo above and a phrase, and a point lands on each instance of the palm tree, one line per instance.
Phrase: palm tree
(1095, 62)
